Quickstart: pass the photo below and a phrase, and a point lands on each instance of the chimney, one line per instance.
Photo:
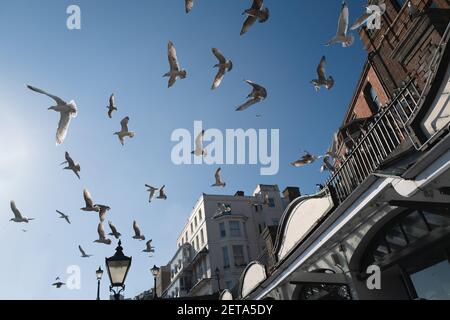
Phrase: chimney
(239, 194)
(291, 193)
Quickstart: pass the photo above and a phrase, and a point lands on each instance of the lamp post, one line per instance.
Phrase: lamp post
(118, 266)
(217, 272)
(98, 274)
(155, 272)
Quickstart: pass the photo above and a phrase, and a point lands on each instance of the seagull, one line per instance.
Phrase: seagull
(188, 4)
(67, 112)
(101, 235)
(162, 194)
(322, 80)
(327, 165)
(116, 234)
(17, 215)
(413, 12)
(89, 203)
(112, 106)
(83, 253)
(256, 12)
(137, 232)
(103, 210)
(71, 165)
(63, 216)
(224, 66)
(364, 19)
(124, 131)
(175, 70)
(341, 35)
(199, 150)
(222, 209)
(152, 191)
(58, 284)
(219, 182)
(308, 158)
(149, 248)
(258, 94)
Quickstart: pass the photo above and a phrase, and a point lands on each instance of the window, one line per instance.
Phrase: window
(223, 232)
(192, 228)
(399, 4)
(187, 237)
(372, 98)
(202, 237)
(271, 203)
(229, 284)
(238, 255)
(226, 257)
(196, 242)
(235, 229)
(195, 221)
(200, 217)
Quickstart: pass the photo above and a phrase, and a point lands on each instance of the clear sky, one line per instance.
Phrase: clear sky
(122, 48)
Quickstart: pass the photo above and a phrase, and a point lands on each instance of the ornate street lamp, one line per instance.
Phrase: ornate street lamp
(118, 266)
(155, 272)
(98, 274)
(217, 272)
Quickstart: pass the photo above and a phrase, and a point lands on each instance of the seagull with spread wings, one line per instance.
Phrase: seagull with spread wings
(18, 217)
(67, 111)
(112, 106)
(322, 79)
(137, 232)
(71, 165)
(101, 235)
(151, 191)
(83, 253)
(257, 12)
(175, 70)
(102, 211)
(219, 182)
(63, 216)
(162, 193)
(257, 95)
(58, 283)
(199, 150)
(224, 66)
(89, 202)
(341, 35)
(124, 132)
(116, 234)
(306, 159)
(148, 247)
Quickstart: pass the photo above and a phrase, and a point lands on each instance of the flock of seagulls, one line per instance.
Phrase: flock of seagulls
(258, 12)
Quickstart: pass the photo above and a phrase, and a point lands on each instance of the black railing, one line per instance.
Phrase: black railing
(377, 142)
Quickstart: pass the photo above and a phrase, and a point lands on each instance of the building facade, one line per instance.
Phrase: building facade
(222, 235)
(380, 227)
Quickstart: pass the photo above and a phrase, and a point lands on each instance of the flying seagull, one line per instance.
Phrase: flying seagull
(101, 235)
(199, 150)
(103, 210)
(137, 232)
(67, 110)
(322, 80)
(224, 66)
(162, 194)
(149, 248)
(341, 35)
(307, 158)
(17, 215)
(258, 94)
(58, 284)
(219, 182)
(116, 234)
(256, 12)
(89, 203)
(112, 106)
(152, 191)
(71, 165)
(175, 70)
(83, 253)
(124, 132)
(63, 216)
(188, 4)
(365, 17)
(327, 165)
(413, 11)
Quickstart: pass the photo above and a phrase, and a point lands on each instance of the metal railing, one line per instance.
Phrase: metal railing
(377, 142)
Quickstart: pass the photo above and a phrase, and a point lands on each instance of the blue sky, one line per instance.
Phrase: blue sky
(122, 48)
